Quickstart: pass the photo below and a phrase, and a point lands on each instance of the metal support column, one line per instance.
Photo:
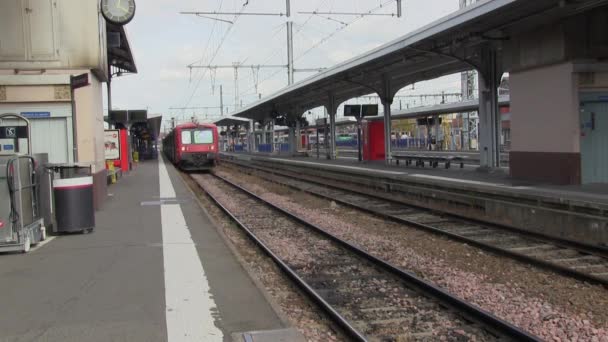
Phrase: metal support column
(489, 114)
(387, 132)
(298, 135)
(292, 141)
(252, 143)
(272, 150)
(387, 99)
(332, 110)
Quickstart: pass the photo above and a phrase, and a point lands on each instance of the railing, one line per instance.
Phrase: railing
(265, 148)
(240, 147)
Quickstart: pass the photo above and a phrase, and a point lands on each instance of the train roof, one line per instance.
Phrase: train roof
(194, 125)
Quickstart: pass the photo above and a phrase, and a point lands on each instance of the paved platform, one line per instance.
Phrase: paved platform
(155, 269)
(574, 213)
(468, 176)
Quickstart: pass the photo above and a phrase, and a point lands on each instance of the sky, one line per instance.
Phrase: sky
(165, 42)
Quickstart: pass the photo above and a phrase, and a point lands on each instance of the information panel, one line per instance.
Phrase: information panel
(112, 144)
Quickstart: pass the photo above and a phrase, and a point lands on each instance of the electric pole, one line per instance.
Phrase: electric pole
(221, 100)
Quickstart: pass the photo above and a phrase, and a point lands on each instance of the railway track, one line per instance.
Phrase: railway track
(582, 262)
(368, 298)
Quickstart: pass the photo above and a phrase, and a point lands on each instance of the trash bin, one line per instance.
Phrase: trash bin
(73, 195)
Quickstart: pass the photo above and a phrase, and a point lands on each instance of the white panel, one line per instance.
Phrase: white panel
(50, 136)
(12, 36)
(42, 29)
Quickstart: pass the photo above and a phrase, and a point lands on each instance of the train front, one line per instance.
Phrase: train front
(199, 147)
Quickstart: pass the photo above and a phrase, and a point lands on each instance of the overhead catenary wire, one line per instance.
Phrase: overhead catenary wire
(215, 53)
(322, 41)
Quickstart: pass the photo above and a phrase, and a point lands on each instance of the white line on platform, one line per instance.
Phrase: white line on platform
(189, 305)
(465, 181)
(343, 166)
(42, 243)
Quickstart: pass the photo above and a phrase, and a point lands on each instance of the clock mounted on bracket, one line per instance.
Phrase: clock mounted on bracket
(119, 12)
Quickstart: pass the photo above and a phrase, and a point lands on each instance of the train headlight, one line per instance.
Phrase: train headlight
(183, 148)
(212, 147)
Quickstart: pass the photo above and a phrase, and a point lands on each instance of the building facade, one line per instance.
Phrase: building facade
(42, 44)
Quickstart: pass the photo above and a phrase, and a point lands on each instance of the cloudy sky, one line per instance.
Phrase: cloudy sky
(165, 42)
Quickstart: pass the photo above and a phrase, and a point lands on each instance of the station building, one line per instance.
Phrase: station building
(42, 45)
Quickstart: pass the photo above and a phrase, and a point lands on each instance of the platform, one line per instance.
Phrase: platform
(155, 269)
(542, 208)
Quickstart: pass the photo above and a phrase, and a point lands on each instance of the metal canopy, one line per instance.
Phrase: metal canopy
(449, 45)
(231, 121)
(120, 56)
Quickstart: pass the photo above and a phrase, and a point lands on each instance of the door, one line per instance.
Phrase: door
(28, 30)
(41, 24)
(12, 31)
(594, 142)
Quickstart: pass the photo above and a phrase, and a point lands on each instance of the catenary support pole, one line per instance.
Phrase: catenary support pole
(290, 78)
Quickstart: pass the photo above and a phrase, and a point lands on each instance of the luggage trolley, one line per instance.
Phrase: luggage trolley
(21, 224)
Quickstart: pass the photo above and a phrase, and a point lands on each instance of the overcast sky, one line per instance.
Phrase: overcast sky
(165, 42)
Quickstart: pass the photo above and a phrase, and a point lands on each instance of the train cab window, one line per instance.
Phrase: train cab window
(204, 136)
(186, 137)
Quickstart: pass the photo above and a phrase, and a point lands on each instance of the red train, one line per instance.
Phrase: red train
(192, 146)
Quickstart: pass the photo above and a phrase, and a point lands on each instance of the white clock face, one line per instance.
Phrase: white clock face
(118, 11)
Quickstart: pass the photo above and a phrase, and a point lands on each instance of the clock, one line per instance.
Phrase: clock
(119, 12)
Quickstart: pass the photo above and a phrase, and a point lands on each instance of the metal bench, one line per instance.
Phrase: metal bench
(433, 160)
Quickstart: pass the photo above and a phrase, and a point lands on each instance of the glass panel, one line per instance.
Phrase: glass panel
(203, 136)
(186, 137)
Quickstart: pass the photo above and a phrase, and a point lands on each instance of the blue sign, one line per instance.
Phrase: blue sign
(34, 115)
(8, 147)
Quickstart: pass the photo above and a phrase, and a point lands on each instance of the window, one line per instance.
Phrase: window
(203, 136)
(186, 137)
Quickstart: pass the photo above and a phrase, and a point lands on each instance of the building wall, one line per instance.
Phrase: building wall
(52, 34)
(545, 142)
(50, 89)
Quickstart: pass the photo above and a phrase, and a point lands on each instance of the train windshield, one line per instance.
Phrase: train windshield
(199, 136)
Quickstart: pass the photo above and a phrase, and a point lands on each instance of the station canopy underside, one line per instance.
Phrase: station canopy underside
(231, 121)
(450, 45)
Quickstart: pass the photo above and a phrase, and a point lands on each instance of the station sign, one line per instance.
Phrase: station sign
(35, 115)
(321, 122)
(79, 81)
(13, 132)
(360, 111)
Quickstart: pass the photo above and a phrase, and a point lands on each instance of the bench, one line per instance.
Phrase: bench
(433, 160)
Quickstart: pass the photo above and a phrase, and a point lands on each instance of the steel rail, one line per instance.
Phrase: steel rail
(470, 311)
(301, 283)
(565, 271)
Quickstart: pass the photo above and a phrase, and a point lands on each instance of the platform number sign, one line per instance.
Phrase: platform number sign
(10, 132)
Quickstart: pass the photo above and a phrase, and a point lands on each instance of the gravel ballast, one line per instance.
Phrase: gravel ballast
(550, 306)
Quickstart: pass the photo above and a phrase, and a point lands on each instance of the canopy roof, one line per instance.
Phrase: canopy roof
(449, 45)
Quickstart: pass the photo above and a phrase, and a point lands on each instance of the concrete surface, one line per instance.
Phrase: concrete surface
(576, 214)
(109, 285)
